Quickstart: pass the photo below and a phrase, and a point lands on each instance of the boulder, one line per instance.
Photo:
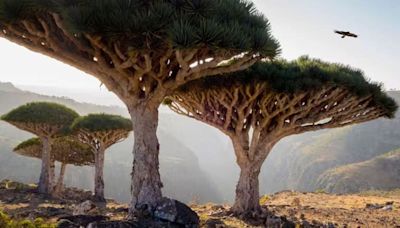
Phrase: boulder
(80, 220)
(176, 212)
(114, 224)
(84, 208)
(214, 223)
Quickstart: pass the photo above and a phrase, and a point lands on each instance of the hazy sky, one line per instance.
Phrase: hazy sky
(302, 27)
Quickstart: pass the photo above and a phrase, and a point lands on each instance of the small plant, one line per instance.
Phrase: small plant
(264, 199)
(7, 222)
(320, 191)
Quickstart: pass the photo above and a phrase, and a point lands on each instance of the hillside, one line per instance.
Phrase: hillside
(177, 160)
(379, 173)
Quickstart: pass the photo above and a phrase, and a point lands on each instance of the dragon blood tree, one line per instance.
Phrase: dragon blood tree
(142, 50)
(99, 132)
(47, 121)
(258, 107)
(65, 150)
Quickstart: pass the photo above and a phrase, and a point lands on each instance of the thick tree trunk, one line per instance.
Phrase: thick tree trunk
(146, 181)
(45, 186)
(247, 190)
(99, 175)
(250, 159)
(60, 182)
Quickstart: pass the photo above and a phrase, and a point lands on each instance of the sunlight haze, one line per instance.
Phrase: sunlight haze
(304, 27)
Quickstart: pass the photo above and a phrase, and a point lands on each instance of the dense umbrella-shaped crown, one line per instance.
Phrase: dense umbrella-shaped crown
(283, 98)
(101, 122)
(149, 24)
(301, 75)
(101, 130)
(65, 150)
(41, 113)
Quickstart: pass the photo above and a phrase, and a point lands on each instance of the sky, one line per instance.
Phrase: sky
(302, 27)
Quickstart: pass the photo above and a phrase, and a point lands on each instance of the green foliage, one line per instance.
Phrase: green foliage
(101, 122)
(264, 199)
(64, 149)
(7, 222)
(42, 113)
(28, 143)
(320, 191)
(300, 75)
(150, 24)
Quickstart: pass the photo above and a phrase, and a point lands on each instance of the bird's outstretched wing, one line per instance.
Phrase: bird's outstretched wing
(352, 35)
(344, 34)
(339, 32)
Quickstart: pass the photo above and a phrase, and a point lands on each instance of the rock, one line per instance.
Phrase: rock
(176, 212)
(387, 208)
(82, 220)
(217, 208)
(296, 202)
(331, 225)
(63, 223)
(115, 224)
(306, 224)
(84, 208)
(214, 223)
(273, 222)
(121, 210)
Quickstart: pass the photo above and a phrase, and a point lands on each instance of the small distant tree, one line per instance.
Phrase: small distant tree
(65, 150)
(142, 50)
(100, 131)
(47, 121)
(258, 107)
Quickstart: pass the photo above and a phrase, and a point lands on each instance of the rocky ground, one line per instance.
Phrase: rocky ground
(284, 209)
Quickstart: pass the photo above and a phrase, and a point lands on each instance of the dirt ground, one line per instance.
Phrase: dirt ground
(373, 209)
(317, 210)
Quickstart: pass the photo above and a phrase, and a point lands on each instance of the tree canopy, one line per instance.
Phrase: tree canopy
(300, 75)
(64, 150)
(144, 24)
(41, 113)
(101, 122)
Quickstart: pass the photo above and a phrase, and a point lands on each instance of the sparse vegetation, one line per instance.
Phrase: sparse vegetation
(7, 222)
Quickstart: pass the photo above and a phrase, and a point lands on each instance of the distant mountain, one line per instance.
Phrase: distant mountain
(8, 87)
(181, 173)
(379, 173)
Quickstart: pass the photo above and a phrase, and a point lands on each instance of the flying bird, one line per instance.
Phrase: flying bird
(344, 34)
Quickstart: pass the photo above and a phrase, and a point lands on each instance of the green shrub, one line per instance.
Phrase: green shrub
(321, 191)
(7, 222)
(264, 199)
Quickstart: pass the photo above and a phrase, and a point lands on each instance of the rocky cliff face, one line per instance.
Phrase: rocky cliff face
(379, 173)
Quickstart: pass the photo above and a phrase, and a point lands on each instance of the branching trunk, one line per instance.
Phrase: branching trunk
(45, 186)
(60, 182)
(99, 175)
(146, 181)
(250, 160)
